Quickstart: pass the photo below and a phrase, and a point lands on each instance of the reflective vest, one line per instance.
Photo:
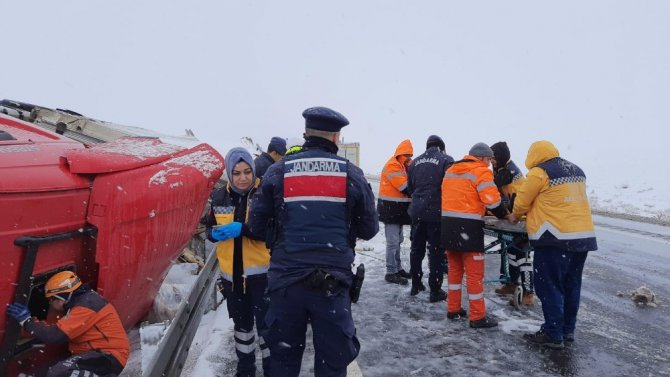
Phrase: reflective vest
(554, 198)
(468, 191)
(255, 256)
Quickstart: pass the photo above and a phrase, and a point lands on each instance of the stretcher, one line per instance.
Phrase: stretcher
(506, 235)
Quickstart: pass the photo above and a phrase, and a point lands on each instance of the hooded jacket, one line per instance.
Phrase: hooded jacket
(555, 201)
(393, 199)
(468, 191)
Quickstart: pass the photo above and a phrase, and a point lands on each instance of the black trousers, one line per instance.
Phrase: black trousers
(92, 363)
(427, 235)
(247, 306)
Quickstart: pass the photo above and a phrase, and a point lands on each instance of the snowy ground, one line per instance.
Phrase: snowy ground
(635, 198)
(403, 335)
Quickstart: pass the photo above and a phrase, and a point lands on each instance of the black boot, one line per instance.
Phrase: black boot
(438, 295)
(484, 323)
(404, 274)
(461, 314)
(417, 286)
(540, 338)
(395, 279)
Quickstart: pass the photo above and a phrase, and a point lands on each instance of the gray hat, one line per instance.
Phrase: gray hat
(480, 150)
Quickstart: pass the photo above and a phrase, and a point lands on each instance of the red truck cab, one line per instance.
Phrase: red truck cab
(117, 213)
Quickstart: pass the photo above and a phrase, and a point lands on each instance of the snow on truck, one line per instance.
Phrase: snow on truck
(115, 204)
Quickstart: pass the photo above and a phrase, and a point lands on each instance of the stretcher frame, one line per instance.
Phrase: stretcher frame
(506, 235)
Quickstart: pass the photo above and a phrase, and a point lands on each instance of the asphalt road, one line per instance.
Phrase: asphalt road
(406, 336)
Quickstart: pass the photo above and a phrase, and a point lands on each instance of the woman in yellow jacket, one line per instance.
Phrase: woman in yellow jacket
(243, 259)
(561, 232)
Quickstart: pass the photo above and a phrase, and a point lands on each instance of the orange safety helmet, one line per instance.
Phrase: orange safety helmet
(62, 282)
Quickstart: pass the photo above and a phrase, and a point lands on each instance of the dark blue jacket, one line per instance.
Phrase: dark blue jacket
(425, 184)
(313, 220)
(262, 163)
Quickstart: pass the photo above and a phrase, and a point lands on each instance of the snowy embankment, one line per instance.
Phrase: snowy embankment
(637, 201)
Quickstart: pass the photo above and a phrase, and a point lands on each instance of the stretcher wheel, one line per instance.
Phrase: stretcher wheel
(518, 297)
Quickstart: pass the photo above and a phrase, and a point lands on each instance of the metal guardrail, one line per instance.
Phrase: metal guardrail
(173, 350)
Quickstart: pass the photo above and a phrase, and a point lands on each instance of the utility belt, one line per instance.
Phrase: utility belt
(322, 281)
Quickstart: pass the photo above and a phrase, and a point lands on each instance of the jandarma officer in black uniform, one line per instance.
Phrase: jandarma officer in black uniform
(313, 205)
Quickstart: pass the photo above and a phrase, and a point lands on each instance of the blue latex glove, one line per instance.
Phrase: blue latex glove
(19, 312)
(224, 232)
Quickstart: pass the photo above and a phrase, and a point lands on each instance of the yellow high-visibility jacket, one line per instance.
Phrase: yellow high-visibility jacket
(255, 256)
(554, 199)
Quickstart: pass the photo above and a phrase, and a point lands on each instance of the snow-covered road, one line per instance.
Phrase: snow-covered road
(403, 335)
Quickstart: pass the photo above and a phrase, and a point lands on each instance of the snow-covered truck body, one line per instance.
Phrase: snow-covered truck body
(117, 213)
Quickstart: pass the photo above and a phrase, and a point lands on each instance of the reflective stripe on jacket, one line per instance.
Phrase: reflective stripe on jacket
(291, 263)
(255, 256)
(555, 201)
(392, 202)
(315, 187)
(468, 191)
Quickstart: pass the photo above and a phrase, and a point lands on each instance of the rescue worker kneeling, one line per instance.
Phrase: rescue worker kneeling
(468, 191)
(91, 326)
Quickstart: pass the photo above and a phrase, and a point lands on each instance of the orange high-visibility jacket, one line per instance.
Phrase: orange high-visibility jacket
(468, 191)
(392, 203)
(93, 324)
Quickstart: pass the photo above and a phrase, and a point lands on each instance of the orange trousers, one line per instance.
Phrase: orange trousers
(472, 263)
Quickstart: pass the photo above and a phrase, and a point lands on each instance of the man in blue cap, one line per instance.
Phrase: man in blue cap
(276, 150)
(312, 206)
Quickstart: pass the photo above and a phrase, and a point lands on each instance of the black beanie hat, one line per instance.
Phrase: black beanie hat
(435, 141)
(501, 153)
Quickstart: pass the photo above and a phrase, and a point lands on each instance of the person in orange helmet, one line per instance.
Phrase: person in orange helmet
(468, 191)
(92, 327)
(392, 204)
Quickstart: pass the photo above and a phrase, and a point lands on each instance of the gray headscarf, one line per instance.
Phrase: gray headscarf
(233, 157)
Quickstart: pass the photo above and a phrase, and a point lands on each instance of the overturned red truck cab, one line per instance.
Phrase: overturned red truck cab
(117, 213)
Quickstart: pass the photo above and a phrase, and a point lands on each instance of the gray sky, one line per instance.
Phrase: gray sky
(593, 77)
